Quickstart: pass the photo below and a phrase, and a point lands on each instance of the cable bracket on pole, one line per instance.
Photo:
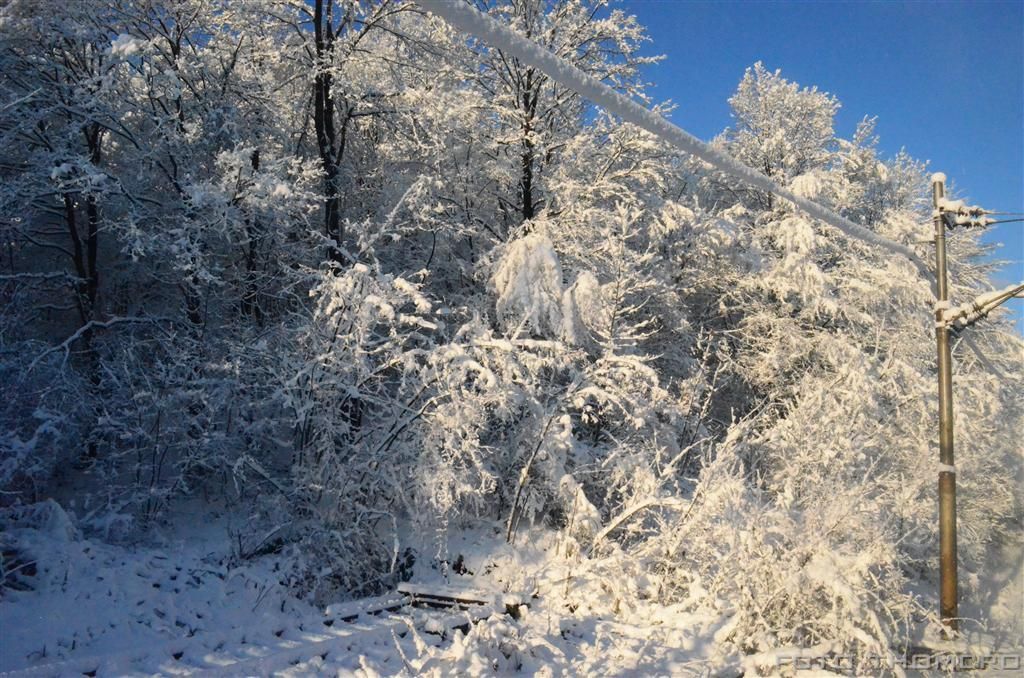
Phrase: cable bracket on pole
(971, 312)
(956, 213)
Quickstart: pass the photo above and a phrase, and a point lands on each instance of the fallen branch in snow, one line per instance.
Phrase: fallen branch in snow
(470, 20)
(40, 276)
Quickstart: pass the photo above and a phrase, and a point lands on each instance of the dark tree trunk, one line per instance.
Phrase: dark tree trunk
(250, 295)
(87, 268)
(323, 119)
(530, 97)
(94, 138)
(526, 181)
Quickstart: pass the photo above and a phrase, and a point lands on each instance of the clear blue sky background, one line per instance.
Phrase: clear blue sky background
(945, 79)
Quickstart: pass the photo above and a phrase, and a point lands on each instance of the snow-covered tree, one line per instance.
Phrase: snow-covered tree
(337, 268)
(780, 129)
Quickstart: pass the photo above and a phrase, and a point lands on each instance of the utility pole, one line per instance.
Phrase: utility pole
(948, 596)
(953, 214)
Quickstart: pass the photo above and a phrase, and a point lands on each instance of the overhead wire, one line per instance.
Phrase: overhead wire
(473, 22)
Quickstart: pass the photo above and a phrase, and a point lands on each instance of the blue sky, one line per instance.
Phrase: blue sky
(945, 80)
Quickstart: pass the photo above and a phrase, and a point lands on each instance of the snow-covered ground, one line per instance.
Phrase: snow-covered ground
(179, 605)
(1000, 598)
(167, 607)
(85, 598)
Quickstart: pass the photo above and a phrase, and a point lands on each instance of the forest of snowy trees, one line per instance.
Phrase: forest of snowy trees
(350, 274)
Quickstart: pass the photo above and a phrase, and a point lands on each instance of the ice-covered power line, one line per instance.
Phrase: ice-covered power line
(470, 20)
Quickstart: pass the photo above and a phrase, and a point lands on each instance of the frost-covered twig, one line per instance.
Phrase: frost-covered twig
(658, 502)
(255, 466)
(21, 100)
(523, 477)
(982, 358)
(91, 325)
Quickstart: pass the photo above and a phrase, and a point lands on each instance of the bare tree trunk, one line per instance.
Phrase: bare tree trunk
(526, 181)
(323, 119)
(250, 294)
(530, 97)
(86, 265)
(94, 139)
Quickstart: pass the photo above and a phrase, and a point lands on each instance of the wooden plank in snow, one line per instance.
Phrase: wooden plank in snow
(446, 596)
(352, 610)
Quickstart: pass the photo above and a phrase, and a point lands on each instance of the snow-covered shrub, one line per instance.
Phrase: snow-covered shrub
(528, 286)
(786, 575)
(352, 390)
(31, 540)
(40, 420)
(491, 646)
(494, 437)
(558, 414)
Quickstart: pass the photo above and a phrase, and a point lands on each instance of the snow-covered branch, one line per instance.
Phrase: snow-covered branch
(19, 277)
(66, 345)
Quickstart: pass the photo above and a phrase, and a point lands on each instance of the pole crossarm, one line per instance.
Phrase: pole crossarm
(957, 213)
(470, 20)
(971, 312)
